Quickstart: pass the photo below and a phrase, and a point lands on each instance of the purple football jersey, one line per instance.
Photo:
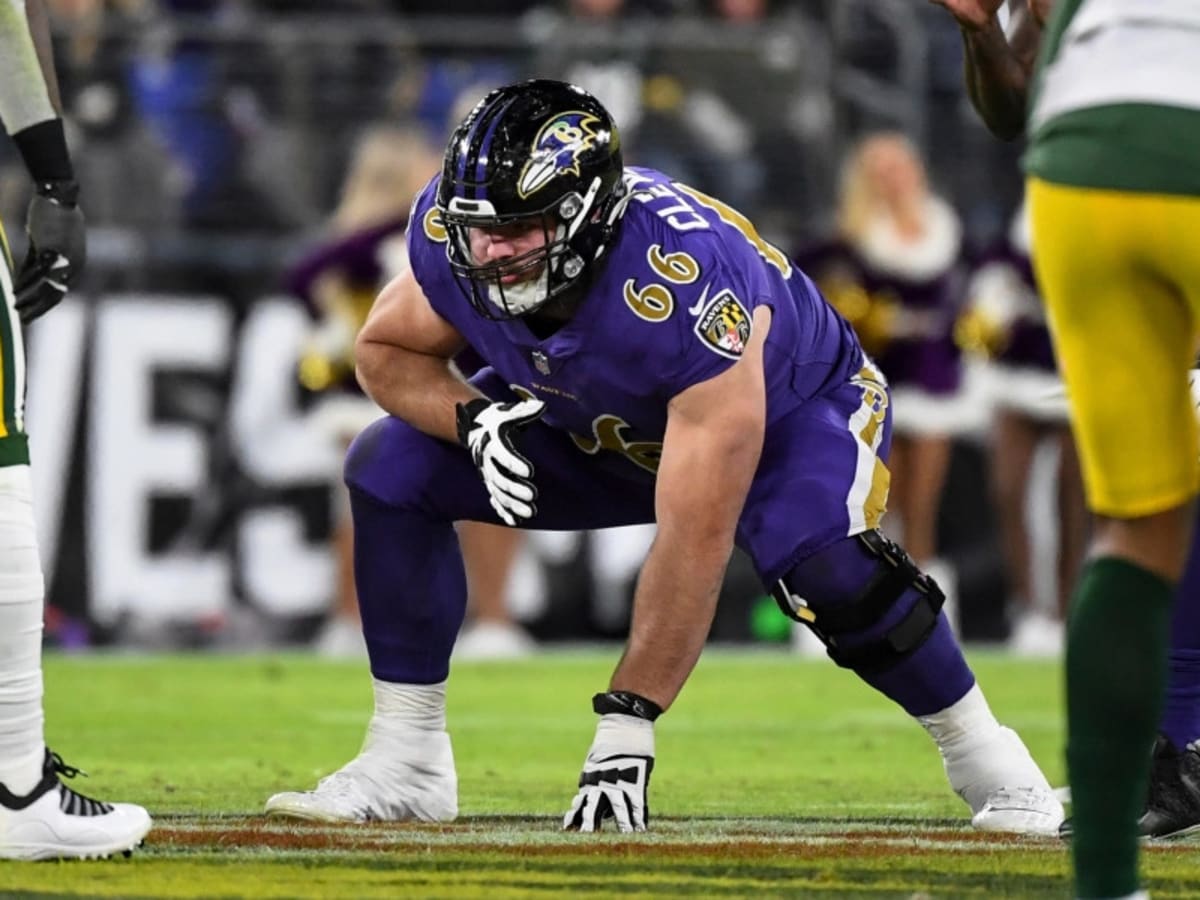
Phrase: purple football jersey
(671, 307)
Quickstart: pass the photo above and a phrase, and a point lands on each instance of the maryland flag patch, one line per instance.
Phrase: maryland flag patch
(724, 325)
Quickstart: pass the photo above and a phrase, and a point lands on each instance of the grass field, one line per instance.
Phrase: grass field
(776, 777)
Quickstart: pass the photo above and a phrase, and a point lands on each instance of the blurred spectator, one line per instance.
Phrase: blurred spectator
(435, 89)
(339, 280)
(895, 272)
(195, 81)
(1005, 322)
(598, 45)
(748, 113)
(130, 179)
(611, 48)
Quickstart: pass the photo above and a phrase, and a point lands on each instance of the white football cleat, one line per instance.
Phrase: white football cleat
(402, 774)
(54, 822)
(1020, 811)
(1004, 787)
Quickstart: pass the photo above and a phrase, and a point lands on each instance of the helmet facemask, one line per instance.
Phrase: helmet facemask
(540, 152)
(575, 233)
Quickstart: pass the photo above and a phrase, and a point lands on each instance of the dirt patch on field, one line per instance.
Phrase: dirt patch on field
(272, 835)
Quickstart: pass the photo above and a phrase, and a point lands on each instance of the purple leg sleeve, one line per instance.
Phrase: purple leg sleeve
(408, 489)
(928, 679)
(1181, 714)
(412, 593)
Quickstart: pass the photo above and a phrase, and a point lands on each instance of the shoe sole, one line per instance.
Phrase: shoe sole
(307, 814)
(311, 817)
(1180, 835)
(49, 852)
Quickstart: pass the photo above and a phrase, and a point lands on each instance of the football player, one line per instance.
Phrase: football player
(1113, 188)
(40, 816)
(649, 358)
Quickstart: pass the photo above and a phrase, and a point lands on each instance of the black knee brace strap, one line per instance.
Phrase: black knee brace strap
(897, 573)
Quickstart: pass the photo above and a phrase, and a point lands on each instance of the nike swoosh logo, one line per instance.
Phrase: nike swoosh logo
(699, 307)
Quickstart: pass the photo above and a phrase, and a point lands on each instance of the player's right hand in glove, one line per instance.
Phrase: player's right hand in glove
(616, 775)
(57, 248)
(488, 429)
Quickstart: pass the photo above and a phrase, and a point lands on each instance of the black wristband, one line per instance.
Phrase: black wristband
(44, 148)
(464, 416)
(626, 703)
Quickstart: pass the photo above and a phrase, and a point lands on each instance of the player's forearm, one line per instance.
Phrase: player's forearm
(997, 79)
(416, 387)
(677, 592)
(39, 30)
(28, 92)
(673, 610)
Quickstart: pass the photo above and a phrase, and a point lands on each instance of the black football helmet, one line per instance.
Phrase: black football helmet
(542, 150)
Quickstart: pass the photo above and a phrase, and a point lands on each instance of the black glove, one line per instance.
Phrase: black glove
(487, 430)
(57, 248)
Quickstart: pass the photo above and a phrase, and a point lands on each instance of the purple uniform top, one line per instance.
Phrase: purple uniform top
(671, 307)
(1029, 344)
(355, 256)
(926, 357)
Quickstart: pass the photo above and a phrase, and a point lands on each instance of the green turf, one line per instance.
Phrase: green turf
(775, 777)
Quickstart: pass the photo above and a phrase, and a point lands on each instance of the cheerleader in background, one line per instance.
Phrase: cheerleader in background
(895, 273)
(1005, 324)
(338, 281)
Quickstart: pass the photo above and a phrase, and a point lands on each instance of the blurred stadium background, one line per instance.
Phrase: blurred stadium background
(185, 498)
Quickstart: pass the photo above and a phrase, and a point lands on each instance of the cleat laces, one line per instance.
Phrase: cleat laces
(71, 801)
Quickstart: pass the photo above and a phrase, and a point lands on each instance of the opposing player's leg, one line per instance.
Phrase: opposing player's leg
(877, 614)
(1120, 287)
(407, 491)
(40, 816)
(1173, 801)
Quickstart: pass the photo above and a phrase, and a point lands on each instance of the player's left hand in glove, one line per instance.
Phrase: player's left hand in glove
(615, 777)
(57, 248)
(488, 429)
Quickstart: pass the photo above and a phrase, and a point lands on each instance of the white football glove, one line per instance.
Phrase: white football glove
(486, 429)
(615, 777)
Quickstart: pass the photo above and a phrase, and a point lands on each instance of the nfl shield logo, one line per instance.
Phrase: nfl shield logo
(541, 362)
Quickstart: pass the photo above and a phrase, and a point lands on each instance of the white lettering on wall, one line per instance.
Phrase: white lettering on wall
(278, 446)
(131, 457)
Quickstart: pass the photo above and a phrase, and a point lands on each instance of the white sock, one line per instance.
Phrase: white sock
(421, 706)
(22, 594)
(962, 725)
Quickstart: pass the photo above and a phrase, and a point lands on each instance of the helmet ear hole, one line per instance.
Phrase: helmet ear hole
(569, 207)
(538, 148)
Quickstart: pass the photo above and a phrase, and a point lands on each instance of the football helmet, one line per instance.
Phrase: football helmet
(541, 151)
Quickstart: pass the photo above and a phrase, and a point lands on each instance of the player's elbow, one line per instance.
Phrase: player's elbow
(370, 362)
(1007, 127)
(1002, 111)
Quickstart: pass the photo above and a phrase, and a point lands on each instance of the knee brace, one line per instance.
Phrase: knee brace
(865, 599)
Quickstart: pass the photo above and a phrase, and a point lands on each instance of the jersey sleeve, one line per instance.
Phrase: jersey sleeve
(426, 242)
(714, 323)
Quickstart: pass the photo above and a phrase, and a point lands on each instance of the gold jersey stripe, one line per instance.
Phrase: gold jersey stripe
(8, 260)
